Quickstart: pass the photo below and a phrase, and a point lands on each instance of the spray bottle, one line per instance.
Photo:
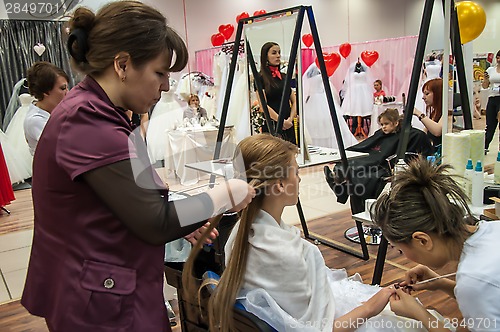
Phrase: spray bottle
(469, 172)
(496, 176)
(478, 185)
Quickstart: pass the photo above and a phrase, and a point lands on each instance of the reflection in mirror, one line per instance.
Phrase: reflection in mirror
(272, 38)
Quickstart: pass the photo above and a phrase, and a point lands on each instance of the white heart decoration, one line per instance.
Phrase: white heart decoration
(39, 49)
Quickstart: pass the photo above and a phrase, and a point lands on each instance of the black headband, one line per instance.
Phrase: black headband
(80, 36)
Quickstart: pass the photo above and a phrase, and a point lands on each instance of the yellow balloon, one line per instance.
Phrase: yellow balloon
(471, 20)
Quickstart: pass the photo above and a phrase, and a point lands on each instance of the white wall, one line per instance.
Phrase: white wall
(338, 21)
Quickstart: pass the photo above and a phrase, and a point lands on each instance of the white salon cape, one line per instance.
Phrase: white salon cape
(288, 285)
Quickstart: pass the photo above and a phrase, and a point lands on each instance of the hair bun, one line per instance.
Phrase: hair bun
(80, 25)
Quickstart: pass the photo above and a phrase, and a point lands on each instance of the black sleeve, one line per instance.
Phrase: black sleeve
(146, 212)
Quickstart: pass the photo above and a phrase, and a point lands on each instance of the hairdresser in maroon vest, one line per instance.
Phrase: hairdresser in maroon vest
(101, 214)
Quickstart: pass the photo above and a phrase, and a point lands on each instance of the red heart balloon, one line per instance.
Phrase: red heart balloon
(369, 57)
(226, 30)
(241, 16)
(217, 39)
(307, 39)
(332, 62)
(345, 50)
(259, 12)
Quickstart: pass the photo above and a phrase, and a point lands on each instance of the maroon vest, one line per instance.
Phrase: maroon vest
(87, 271)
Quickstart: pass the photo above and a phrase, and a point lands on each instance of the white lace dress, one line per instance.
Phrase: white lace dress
(15, 134)
(166, 116)
(358, 100)
(316, 112)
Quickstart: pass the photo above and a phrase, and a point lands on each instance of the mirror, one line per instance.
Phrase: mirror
(279, 30)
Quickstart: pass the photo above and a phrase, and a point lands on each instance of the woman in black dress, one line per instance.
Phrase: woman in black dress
(273, 83)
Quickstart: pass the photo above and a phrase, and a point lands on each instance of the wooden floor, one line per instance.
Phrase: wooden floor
(22, 219)
(13, 317)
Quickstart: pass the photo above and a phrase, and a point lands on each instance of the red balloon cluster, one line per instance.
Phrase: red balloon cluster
(241, 16)
(217, 39)
(225, 32)
(307, 39)
(369, 57)
(345, 50)
(332, 62)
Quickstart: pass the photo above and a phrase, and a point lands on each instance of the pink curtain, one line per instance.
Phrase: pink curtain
(393, 66)
(204, 60)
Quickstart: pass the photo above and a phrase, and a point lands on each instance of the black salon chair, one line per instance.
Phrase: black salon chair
(193, 317)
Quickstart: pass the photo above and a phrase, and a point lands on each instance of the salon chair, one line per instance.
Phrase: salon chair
(211, 258)
(373, 181)
(193, 315)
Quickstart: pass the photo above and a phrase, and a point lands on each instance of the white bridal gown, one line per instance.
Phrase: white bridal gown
(316, 115)
(167, 115)
(358, 87)
(15, 134)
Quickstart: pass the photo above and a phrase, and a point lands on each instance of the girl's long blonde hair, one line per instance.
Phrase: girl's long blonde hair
(265, 159)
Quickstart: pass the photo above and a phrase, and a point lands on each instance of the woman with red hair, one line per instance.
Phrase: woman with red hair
(432, 117)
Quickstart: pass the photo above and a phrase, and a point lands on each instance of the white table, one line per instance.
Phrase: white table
(186, 146)
(323, 156)
(328, 155)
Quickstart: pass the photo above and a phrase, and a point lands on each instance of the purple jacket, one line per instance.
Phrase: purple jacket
(87, 271)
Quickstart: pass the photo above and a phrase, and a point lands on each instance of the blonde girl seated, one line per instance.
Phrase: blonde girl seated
(281, 277)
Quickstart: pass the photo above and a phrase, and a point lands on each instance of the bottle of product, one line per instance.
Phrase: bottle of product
(469, 172)
(400, 166)
(478, 185)
(497, 169)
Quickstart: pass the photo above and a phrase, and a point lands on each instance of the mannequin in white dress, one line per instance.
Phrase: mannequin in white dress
(238, 113)
(15, 132)
(358, 99)
(316, 115)
(167, 115)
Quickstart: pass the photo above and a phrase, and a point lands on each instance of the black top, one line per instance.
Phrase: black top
(273, 99)
(435, 140)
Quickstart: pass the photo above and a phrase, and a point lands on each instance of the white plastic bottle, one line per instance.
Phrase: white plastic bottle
(469, 172)
(400, 166)
(478, 185)
(496, 177)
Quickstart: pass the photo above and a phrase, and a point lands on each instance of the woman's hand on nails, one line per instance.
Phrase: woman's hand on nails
(378, 301)
(403, 304)
(419, 273)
